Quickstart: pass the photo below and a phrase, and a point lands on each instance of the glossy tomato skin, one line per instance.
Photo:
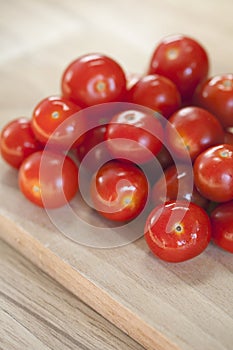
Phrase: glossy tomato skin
(176, 183)
(119, 190)
(213, 173)
(156, 92)
(93, 79)
(18, 141)
(48, 179)
(216, 95)
(93, 150)
(198, 128)
(53, 121)
(183, 60)
(134, 134)
(177, 231)
(222, 226)
(228, 137)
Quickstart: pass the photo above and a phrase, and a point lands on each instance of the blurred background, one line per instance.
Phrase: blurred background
(39, 38)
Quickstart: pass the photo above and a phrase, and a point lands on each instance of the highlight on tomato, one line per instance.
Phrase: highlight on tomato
(213, 173)
(48, 179)
(122, 132)
(156, 92)
(196, 130)
(56, 120)
(177, 231)
(175, 183)
(135, 134)
(17, 141)
(119, 190)
(93, 79)
(215, 94)
(183, 60)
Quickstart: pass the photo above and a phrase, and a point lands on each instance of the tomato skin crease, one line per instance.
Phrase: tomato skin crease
(186, 236)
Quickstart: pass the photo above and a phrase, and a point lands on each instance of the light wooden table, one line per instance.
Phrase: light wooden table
(37, 40)
(37, 313)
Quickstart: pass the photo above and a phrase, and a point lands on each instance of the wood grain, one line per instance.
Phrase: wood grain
(182, 306)
(37, 313)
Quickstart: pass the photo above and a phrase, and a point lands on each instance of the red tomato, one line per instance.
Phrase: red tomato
(48, 179)
(55, 114)
(181, 59)
(92, 79)
(176, 183)
(216, 95)
(222, 226)
(213, 173)
(156, 92)
(134, 134)
(228, 137)
(164, 157)
(197, 130)
(93, 148)
(18, 141)
(177, 231)
(119, 190)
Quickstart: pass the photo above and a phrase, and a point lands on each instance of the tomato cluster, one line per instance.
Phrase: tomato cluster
(116, 126)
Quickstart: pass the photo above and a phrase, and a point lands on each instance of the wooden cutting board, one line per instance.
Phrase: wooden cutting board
(186, 306)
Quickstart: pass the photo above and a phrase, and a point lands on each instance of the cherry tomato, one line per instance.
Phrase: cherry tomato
(156, 92)
(213, 173)
(119, 190)
(52, 121)
(222, 226)
(216, 95)
(228, 137)
(18, 141)
(177, 231)
(92, 146)
(164, 157)
(197, 130)
(175, 183)
(92, 79)
(134, 134)
(48, 179)
(183, 60)
(93, 142)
